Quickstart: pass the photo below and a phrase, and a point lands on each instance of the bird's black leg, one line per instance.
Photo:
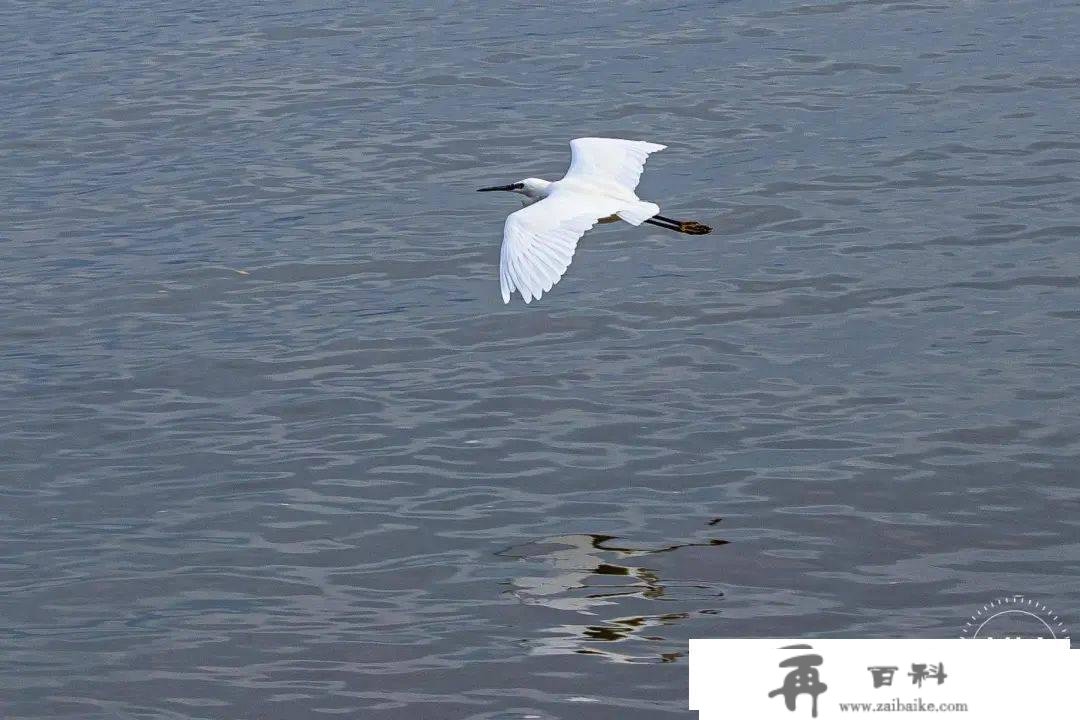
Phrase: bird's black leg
(663, 222)
(688, 227)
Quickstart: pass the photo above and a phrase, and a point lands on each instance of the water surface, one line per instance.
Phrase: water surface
(273, 447)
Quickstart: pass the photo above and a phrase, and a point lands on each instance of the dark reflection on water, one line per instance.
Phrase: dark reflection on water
(582, 556)
(583, 578)
(274, 448)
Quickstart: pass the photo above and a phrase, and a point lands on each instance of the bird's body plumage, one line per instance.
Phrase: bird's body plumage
(540, 239)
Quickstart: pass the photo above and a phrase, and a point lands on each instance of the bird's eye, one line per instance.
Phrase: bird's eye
(518, 186)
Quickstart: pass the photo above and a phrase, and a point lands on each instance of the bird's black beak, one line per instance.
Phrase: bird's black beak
(504, 188)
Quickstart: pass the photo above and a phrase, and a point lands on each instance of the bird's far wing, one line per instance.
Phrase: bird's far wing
(539, 240)
(610, 160)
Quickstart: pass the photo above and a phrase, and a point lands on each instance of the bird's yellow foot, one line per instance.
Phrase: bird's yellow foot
(694, 228)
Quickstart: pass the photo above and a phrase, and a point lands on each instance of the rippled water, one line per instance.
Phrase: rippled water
(273, 447)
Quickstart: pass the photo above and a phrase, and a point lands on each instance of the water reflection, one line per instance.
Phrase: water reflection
(588, 572)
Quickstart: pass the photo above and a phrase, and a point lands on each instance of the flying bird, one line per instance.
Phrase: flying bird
(539, 240)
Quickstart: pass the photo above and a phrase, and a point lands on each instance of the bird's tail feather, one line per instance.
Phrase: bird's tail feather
(638, 212)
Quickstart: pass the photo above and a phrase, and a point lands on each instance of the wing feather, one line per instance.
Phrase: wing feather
(539, 241)
(609, 161)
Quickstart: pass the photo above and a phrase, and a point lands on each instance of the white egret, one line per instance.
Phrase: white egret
(539, 240)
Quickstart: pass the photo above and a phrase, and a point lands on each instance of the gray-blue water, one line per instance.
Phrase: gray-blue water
(272, 446)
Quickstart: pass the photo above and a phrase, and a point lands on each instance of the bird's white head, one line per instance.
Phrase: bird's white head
(532, 189)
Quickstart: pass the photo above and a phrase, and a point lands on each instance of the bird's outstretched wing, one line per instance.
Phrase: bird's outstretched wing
(539, 240)
(609, 161)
